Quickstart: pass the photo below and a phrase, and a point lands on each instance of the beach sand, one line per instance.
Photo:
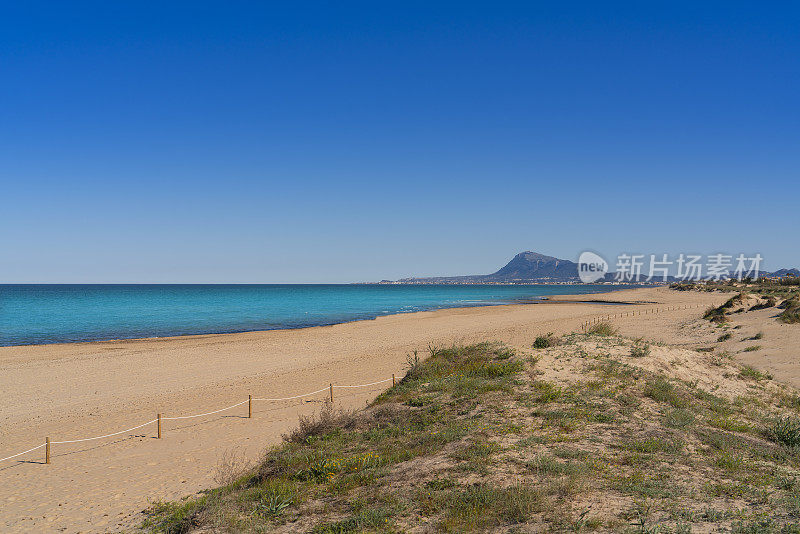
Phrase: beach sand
(71, 391)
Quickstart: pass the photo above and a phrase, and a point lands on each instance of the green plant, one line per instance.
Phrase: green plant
(602, 329)
(662, 390)
(751, 373)
(678, 418)
(273, 504)
(640, 350)
(547, 340)
(725, 336)
(786, 431)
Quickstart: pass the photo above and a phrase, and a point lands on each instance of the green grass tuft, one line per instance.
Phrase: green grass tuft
(786, 431)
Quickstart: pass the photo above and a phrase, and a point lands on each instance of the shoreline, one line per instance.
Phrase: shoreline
(547, 299)
(73, 390)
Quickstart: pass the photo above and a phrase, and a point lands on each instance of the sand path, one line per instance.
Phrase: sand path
(78, 390)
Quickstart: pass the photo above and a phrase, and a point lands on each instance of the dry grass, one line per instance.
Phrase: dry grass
(602, 329)
(327, 420)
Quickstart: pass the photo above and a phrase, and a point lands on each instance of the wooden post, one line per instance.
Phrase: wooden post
(47, 450)
(331, 393)
(249, 406)
(159, 426)
(394, 382)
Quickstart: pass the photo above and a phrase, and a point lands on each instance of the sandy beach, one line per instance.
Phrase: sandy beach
(71, 391)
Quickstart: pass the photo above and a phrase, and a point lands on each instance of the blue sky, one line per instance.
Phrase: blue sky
(336, 142)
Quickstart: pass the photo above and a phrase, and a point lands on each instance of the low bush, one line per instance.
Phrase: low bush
(547, 340)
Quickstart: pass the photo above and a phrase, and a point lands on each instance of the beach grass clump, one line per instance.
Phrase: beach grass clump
(663, 390)
(679, 418)
(328, 420)
(173, 517)
(602, 329)
(545, 341)
(715, 315)
(718, 314)
(791, 310)
(640, 349)
(769, 302)
(482, 506)
(751, 373)
(790, 316)
(724, 337)
(786, 431)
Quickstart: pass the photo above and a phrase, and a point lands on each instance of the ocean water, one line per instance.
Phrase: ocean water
(37, 314)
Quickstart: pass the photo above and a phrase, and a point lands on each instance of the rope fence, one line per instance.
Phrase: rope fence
(635, 313)
(249, 401)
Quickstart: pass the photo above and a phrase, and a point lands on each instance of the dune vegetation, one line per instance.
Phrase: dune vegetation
(593, 433)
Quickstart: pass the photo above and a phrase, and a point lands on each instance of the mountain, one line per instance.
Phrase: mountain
(535, 266)
(525, 267)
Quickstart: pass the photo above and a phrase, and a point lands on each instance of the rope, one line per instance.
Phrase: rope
(106, 435)
(296, 396)
(23, 452)
(191, 417)
(321, 390)
(364, 385)
(201, 414)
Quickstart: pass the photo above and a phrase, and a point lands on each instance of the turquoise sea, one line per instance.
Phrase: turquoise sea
(36, 314)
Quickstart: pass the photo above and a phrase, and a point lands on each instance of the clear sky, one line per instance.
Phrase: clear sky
(336, 142)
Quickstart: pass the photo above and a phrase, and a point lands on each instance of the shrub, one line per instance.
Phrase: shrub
(725, 336)
(640, 350)
(547, 340)
(786, 431)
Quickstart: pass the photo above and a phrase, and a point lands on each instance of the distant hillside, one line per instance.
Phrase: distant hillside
(531, 267)
(524, 267)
